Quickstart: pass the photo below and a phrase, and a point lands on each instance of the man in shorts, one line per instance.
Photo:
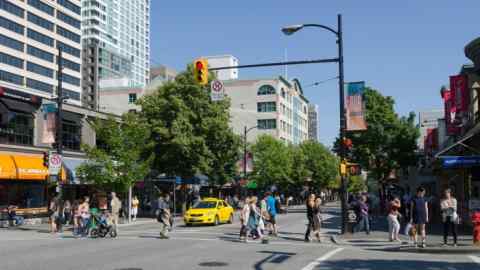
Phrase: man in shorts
(272, 211)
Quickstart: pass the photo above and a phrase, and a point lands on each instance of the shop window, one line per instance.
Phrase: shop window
(23, 194)
(72, 135)
(16, 128)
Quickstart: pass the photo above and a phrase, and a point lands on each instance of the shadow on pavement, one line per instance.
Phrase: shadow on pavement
(373, 264)
(274, 257)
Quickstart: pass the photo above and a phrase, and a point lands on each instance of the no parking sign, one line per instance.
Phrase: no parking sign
(217, 91)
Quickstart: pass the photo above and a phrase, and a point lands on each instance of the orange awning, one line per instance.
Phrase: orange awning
(24, 167)
(7, 167)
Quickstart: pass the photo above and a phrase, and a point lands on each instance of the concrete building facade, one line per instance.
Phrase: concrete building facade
(223, 61)
(32, 31)
(313, 122)
(275, 106)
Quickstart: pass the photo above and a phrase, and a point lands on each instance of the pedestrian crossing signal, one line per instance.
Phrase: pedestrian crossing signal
(200, 67)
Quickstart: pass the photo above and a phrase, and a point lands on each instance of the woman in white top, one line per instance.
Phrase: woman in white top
(448, 206)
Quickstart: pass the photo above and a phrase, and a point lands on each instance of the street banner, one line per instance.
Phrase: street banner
(460, 96)
(450, 112)
(355, 107)
(49, 115)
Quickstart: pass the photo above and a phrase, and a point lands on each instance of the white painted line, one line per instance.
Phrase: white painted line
(318, 261)
(475, 259)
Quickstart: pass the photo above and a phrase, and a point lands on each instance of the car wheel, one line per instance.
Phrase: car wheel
(216, 222)
(230, 219)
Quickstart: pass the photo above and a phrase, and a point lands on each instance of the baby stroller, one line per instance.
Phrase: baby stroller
(102, 227)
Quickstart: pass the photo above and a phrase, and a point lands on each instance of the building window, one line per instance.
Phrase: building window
(38, 85)
(71, 94)
(11, 60)
(266, 106)
(132, 98)
(11, 8)
(40, 37)
(68, 34)
(70, 65)
(12, 26)
(40, 53)
(11, 43)
(267, 123)
(266, 90)
(16, 128)
(68, 19)
(47, 72)
(69, 5)
(40, 21)
(72, 135)
(10, 77)
(70, 79)
(68, 49)
(41, 6)
(24, 194)
(283, 93)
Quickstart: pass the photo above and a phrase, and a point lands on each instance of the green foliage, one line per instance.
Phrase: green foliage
(190, 133)
(322, 164)
(389, 142)
(123, 156)
(356, 184)
(283, 165)
(272, 161)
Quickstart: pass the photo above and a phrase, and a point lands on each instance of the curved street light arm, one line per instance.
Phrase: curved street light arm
(321, 26)
(250, 129)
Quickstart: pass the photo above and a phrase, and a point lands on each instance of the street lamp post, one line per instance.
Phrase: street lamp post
(294, 28)
(246, 130)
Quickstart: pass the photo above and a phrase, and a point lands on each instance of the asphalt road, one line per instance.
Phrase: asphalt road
(138, 247)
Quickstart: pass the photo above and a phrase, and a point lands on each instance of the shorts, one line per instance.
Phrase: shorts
(134, 211)
(273, 220)
(419, 218)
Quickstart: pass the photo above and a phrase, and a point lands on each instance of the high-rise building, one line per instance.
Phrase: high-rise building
(116, 44)
(224, 61)
(428, 121)
(313, 122)
(31, 33)
(274, 106)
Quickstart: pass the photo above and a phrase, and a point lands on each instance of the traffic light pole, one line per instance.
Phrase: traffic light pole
(59, 137)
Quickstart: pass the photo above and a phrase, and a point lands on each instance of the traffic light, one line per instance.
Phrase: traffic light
(200, 67)
(343, 168)
(46, 159)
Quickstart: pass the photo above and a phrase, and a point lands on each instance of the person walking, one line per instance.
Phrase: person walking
(116, 206)
(253, 220)
(317, 218)
(53, 214)
(272, 211)
(76, 218)
(419, 210)
(310, 204)
(244, 215)
(448, 206)
(393, 222)
(84, 210)
(60, 216)
(135, 204)
(15, 219)
(163, 216)
(363, 222)
(67, 209)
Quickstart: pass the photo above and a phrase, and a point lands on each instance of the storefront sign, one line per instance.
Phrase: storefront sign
(460, 161)
(355, 108)
(7, 92)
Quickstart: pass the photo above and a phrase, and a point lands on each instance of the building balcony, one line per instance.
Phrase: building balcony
(472, 52)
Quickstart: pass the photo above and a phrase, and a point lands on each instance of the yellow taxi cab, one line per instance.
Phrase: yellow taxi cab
(209, 211)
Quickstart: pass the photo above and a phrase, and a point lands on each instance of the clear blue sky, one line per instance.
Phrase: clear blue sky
(406, 49)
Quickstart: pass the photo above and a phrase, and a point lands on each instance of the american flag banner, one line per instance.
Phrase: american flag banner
(355, 107)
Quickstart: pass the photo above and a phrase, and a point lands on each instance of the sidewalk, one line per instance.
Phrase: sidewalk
(378, 239)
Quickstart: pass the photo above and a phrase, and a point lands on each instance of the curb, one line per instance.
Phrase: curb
(440, 250)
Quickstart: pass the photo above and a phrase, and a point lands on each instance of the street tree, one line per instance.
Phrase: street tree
(122, 156)
(272, 162)
(190, 132)
(321, 163)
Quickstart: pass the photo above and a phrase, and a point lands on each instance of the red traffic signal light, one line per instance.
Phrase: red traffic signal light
(354, 169)
(201, 71)
(46, 159)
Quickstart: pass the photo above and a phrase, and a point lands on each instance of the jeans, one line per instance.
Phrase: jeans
(449, 224)
(309, 228)
(17, 220)
(363, 224)
(393, 227)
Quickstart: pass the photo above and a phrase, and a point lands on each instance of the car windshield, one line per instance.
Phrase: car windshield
(204, 204)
